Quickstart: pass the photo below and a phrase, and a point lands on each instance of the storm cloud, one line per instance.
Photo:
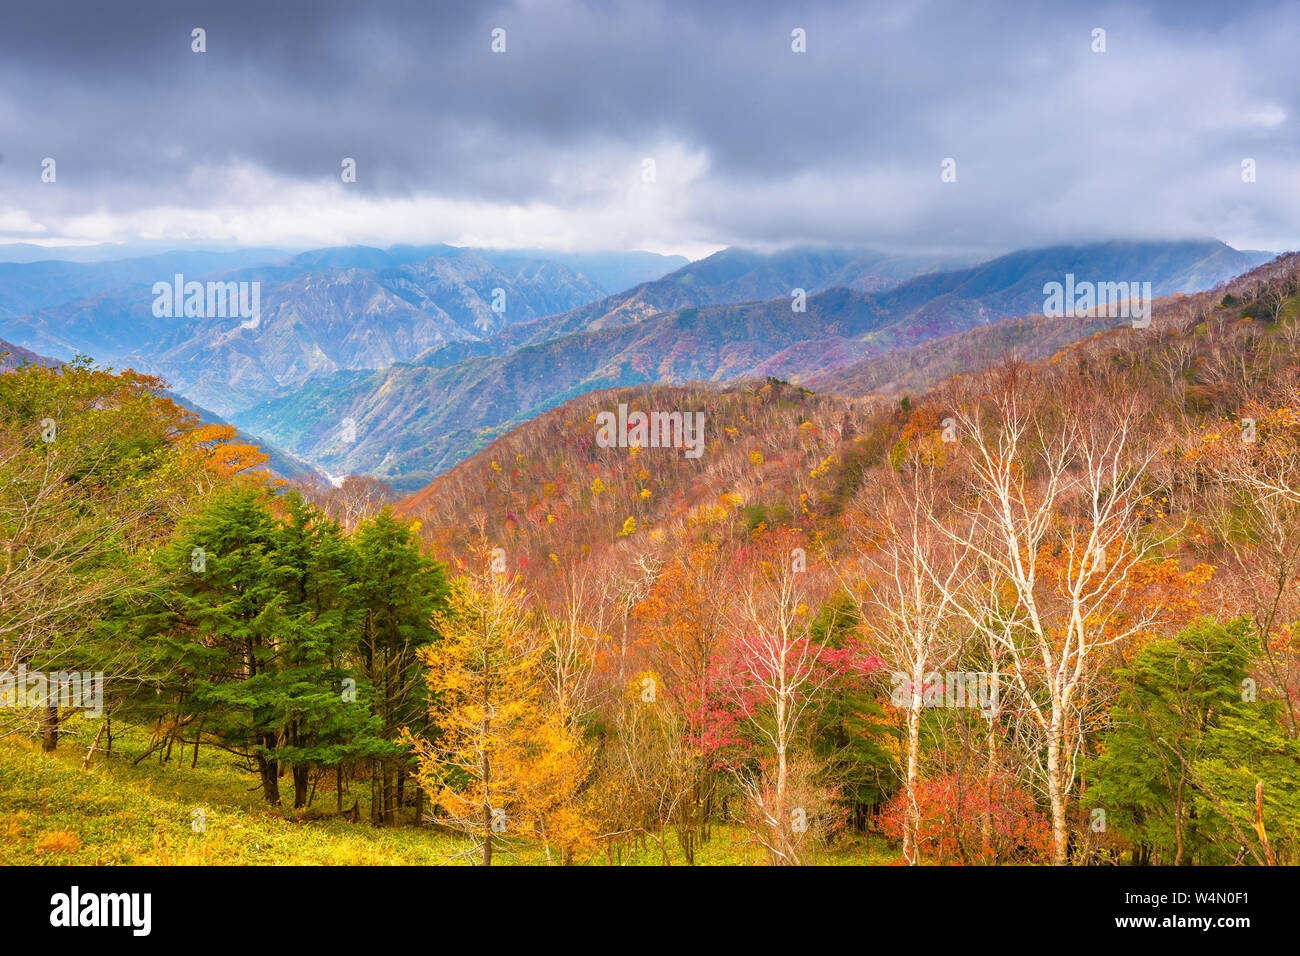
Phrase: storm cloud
(546, 144)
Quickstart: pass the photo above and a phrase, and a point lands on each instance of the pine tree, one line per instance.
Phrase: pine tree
(255, 628)
(1168, 721)
(397, 594)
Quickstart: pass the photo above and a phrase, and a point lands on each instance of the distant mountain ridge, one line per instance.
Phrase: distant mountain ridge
(416, 419)
(30, 286)
(730, 276)
(321, 311)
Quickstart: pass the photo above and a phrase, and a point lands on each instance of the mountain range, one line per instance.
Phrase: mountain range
(399, 362)
(415, 419)
(320, 311)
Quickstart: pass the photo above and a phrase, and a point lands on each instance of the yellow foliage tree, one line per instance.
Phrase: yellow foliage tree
(503, 767)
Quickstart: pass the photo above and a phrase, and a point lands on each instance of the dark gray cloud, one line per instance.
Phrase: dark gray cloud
(752, 143)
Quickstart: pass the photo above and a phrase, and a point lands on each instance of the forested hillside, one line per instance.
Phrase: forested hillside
(1093, 531)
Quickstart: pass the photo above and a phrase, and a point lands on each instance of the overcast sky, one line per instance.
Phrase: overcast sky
(544, 145)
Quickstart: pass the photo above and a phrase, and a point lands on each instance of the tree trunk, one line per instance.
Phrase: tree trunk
(1259, 824)
(376, 796)
(784, 837)
(301, 777)
(1055, 788)
(485, 770)
(990, 776)
(270, 774)
(991, 768)
(1178, 821)
(391, 804)
(485, 767)
(50, 724)
(911, 811)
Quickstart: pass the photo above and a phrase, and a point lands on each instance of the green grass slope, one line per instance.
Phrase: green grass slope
(116, 812)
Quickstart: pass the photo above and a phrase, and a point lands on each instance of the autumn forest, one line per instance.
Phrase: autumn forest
(1047, 612)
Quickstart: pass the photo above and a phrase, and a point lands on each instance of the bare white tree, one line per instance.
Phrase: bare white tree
(907, 578)
(1056, 504)
(573, 633)
(778, 677)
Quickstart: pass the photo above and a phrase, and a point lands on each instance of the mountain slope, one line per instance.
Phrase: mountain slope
(414, 420)
(279, 463)
(776, 454)
(12, 356)
(1179, 269)
(612, 271)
